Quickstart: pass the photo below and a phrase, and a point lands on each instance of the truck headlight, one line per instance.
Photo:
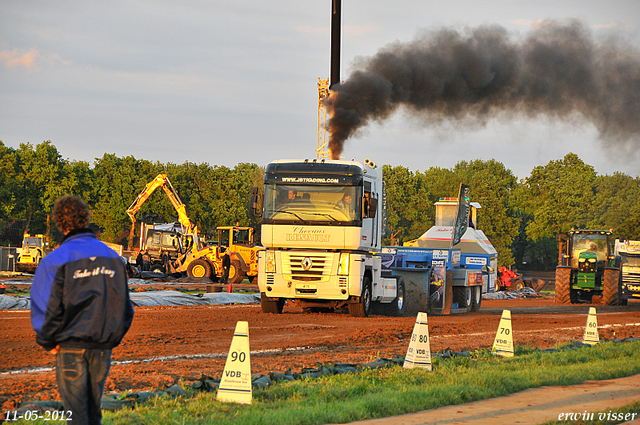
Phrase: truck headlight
(270, 262)
(343, 264)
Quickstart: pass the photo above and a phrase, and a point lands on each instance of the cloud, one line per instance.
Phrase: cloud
(29, 60)
(312, 30)
(609, 26)
(537, 23)
(358, 29)
(541, 23)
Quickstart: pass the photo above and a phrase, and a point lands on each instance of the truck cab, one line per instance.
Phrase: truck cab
(322, 229)
(629, 252)
(157, 238)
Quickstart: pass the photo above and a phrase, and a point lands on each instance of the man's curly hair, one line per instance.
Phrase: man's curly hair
(71, 213)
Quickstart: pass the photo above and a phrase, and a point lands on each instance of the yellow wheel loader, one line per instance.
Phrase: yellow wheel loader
(31, 253)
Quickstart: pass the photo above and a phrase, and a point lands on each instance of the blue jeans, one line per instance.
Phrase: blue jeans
(81, 374)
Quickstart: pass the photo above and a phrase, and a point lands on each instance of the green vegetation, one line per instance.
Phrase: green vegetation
(521, 218)
(393, 391)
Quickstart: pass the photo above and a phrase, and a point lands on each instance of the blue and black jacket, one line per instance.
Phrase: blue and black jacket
(80, 295)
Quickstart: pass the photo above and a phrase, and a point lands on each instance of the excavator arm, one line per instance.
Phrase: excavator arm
(161, 180)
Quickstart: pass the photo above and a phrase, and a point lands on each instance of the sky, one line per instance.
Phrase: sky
(235, 81)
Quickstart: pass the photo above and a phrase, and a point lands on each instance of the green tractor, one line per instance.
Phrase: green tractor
(589, 271)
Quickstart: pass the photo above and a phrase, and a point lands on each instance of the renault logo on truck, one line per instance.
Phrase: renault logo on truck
(306, 264)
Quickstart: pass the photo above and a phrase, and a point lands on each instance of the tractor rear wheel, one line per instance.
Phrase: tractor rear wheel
(563, 285)
(611, 287)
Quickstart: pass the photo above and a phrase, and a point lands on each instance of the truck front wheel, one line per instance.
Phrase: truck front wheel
(271, 305)
(363, 307)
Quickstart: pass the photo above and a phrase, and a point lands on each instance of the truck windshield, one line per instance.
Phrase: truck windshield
(301, 203)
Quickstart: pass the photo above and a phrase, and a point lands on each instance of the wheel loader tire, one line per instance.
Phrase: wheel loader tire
(199, 268)
(236, 275)
(563, 285)
(611, 287)
(271, 305)
(477, 298)
(363, 307)
(519, 285)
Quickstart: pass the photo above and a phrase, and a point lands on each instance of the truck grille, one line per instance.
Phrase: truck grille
(629, 276)
(307, 267)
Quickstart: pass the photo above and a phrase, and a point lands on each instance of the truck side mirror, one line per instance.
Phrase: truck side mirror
(255, 203)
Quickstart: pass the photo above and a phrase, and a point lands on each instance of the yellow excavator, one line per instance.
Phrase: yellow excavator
(194, 258)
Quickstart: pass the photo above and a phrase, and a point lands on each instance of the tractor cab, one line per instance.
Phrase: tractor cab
(598, 243)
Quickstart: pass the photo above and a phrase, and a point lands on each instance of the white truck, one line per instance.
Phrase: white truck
(322, 225)
(629, 252)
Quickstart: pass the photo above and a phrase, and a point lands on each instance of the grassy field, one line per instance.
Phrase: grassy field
(392, 391)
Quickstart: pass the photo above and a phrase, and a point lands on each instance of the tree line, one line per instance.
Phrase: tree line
(520, 217)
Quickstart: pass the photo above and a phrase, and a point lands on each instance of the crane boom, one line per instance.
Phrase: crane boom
(161, 180)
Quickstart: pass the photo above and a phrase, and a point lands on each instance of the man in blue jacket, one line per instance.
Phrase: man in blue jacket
(80, 309)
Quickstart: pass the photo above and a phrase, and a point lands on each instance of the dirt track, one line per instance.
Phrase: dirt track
(168, 343)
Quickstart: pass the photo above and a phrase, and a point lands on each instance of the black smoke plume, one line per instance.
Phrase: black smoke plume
(474, 75)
